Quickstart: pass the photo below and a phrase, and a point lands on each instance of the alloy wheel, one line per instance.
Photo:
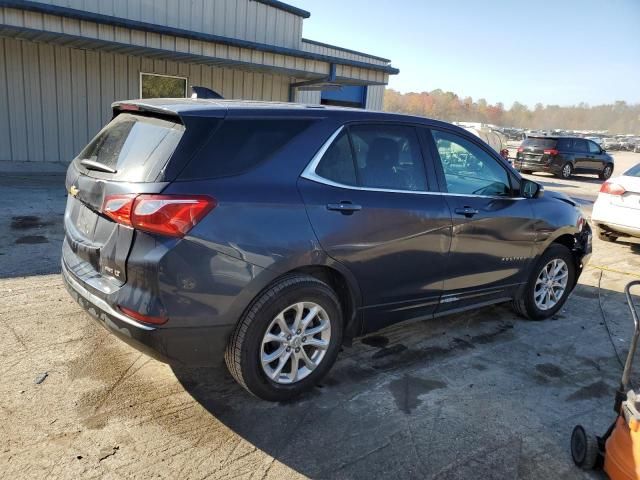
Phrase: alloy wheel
(566, 171)
(295, 342)
(551, 284)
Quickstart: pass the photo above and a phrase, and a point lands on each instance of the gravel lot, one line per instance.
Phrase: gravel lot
(480, 395)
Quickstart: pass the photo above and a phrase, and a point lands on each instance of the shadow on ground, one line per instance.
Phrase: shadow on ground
(483, 394)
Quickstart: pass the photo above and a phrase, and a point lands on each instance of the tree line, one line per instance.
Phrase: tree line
(618, 117)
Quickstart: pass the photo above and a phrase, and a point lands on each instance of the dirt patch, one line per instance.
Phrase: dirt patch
(377, 341)
(393, 350)
(31, 240)
(408, 389)
(550, 370)
(597, 389)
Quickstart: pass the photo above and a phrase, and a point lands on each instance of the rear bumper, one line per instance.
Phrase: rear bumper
(193, 346)
(615, 218)
(534, 166)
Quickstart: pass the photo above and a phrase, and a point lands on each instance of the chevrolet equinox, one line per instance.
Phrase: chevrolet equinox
(270, 234)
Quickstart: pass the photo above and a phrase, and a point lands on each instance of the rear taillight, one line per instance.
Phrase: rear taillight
(118, 208)
(172, 215)
(143, 318)
(551, 151)
(612, 189)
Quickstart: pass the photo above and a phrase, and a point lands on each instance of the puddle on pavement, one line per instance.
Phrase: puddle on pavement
(408, 389)
(31, 240)
(26, 222)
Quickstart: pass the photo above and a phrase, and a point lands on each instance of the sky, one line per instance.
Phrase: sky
(559, 52)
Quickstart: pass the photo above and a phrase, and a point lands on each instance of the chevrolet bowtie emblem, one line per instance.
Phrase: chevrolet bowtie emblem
(73, 191)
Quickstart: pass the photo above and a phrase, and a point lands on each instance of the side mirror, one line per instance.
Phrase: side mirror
(531, 189)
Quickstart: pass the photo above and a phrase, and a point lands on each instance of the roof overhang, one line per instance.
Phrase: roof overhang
(118, 22)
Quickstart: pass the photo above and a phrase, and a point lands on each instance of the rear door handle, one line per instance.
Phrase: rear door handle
(466, 211)
(346, 208)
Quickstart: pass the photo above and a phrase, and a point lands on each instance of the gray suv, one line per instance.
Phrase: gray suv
(272, 234)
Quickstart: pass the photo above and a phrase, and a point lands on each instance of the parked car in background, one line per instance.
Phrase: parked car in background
(616, 212)
(269, 233)
(610, 143)
(627, 143)
(563, 156)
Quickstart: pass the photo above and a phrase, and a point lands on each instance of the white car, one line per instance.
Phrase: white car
(616, 212)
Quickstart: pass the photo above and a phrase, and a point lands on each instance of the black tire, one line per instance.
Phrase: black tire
(605, 236)
(525, 304)
(584, 448)
(606, 172)
(242, 355)
(567, 171)
(526, 172)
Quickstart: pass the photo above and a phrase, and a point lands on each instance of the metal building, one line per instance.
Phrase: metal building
(63, 62)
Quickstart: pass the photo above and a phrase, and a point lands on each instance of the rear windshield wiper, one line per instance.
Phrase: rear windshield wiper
(93, 165)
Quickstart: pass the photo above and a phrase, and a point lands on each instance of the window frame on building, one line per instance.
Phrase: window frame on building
(186, 81)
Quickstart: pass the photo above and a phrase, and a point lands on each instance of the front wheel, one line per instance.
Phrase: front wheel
(287, 340)
(606, 172)
(549, 284)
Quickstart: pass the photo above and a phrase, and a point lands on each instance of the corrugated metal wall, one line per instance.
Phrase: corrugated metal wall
(53, 99)
(244, 19)
(375, 97)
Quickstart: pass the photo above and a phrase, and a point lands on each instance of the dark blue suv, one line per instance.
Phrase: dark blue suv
(271, 234)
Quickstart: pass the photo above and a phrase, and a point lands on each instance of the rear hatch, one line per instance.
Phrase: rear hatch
(137, 152)
(533, 149)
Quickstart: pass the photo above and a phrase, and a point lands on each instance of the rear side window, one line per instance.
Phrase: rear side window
(136, 146)
(375, 156)
(536, 142)
(239, 145)
(337, 163)
(565, 144)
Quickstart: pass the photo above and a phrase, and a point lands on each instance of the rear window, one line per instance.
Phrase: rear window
(543, 143)
(633, 171)
(136, 146)
(239, 145)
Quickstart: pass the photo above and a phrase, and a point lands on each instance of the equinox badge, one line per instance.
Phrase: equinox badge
(73, 191)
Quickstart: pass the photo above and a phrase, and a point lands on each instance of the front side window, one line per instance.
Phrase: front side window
(162, 86)
(593, 147)
(375, 156)
(468, 169)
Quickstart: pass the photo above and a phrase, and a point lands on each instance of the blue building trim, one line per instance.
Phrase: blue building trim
(286, 7)
(355, 52)
(179, 32)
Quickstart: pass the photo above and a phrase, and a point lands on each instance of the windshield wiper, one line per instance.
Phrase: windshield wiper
(93, 165)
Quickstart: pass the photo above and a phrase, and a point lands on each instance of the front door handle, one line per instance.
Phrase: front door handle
(466, 211)
(346, 208)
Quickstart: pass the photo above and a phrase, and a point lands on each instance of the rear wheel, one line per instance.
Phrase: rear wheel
(287, 340)
(549, 285)
(606, 172)
(567, 171)
(584, 448)
(526, 172)
(606, 236)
